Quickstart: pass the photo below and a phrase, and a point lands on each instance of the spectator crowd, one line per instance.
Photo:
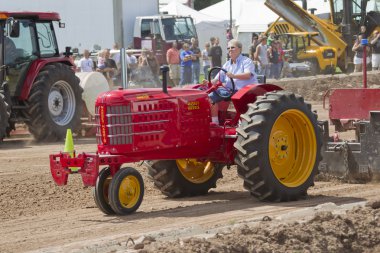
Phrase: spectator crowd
(188, 61)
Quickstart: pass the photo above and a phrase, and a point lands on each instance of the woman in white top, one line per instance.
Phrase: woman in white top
(206, 60)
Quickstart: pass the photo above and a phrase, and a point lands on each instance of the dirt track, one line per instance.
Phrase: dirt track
(37, 215)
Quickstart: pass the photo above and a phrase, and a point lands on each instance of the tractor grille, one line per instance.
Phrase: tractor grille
(281, 28)
(328, 53)
(140, 122)
(119, 125)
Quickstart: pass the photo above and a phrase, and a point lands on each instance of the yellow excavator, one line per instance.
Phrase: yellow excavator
(337, 30)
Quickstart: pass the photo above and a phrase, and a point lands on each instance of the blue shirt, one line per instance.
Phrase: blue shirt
(243, 65)
(182, 56)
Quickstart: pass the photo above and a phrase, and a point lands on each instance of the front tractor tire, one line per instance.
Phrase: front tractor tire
(100, 192)
(55, 103)
(126, 191)
(278, 147)
(184, 177)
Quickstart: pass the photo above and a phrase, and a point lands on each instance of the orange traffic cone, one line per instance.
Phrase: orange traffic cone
(69, 146)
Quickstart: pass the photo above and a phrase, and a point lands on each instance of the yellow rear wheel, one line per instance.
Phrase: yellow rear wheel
(278, 147)
(292, 148)
(184, 177)
(195, 171)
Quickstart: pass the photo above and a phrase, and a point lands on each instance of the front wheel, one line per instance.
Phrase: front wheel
(100, 191)
(278, 147)
(126, 191)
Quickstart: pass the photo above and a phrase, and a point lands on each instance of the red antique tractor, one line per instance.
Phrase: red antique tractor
(272, 136)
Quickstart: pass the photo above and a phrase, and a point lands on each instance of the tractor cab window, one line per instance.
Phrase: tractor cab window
(178, 28)
(20, 49)
(297, 43)
(146, 28)
(46, 39)
(338, 11)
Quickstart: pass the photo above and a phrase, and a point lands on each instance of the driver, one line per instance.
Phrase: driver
(239, 68)
(10, 51)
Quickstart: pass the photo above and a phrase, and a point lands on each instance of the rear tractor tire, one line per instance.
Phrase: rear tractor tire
(184, 177)
(55, 103)
(4, 117)
(278, 147)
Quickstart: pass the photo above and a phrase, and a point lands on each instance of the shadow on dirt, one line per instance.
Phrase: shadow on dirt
(222, 202)
(28, 142)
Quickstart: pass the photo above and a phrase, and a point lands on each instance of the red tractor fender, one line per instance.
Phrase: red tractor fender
(35, 69)
(249, 93)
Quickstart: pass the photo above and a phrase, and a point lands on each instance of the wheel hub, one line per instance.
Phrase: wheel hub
(281, 148)
(55, 103)
(195, 171)
(129, 191)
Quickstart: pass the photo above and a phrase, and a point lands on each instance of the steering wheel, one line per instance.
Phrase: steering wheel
(216, 86)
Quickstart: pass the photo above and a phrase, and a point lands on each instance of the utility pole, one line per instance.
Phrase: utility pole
(230, 16)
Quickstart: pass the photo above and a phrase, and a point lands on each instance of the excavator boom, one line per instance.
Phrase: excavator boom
(305, 22)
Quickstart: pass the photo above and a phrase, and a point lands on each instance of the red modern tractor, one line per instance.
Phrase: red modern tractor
(272, 136)
(37, 85)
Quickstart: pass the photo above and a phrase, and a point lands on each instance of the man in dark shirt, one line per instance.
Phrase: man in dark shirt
(215, 54)
(196, 67)
(375, 43)
(110, 69)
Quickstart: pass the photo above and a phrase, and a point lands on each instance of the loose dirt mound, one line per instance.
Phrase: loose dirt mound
(356, 231)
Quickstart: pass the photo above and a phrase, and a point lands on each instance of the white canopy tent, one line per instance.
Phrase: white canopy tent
(206, 26)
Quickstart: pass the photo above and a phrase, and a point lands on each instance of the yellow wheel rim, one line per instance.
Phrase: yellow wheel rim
(195, 171)
(129, 191)
(292, 148)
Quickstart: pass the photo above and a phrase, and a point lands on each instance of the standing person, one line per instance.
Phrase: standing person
(172, 58)
(240, 68)
(229, 34)
(186, 63)
(270, 38)
(252, 50)
(108, 67)
(252, 47)
(116, 56)
(274, 58)
(363, 31)
(261, 56)
(196, 67)
(358, 58)
(281, 54)
(215, 53)
(131, 65)
(286, 70)
(150, 62)
(206, 59)
(85, 63)
(375, 43)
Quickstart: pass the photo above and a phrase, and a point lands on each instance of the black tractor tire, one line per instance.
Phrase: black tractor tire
(278, 147)
(55, 103)
(168, 178)
(100, 191)
(4, 116)
(126, 191)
